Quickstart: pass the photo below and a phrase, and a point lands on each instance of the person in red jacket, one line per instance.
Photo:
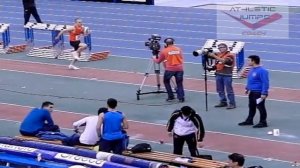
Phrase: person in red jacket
(172, 58)
(224, 66)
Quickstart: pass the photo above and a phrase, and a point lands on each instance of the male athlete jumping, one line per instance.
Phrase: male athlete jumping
(74, 35)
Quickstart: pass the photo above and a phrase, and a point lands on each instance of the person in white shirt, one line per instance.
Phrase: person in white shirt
(89, 135)
(185, 125)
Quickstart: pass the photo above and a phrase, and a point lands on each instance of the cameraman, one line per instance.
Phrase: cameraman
(172, 58)
(224, 67)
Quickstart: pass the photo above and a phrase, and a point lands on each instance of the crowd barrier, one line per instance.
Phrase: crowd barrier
(58, 157)
(118, 159)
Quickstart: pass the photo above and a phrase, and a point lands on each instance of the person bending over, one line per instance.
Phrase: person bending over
(186, 126)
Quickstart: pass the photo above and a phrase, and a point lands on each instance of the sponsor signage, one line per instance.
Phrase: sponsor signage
(79, 159)
(16, 148)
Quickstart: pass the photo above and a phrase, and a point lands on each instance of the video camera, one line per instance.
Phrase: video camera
(153, 43)
(203, 51)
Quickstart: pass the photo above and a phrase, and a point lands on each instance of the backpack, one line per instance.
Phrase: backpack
(140, 148)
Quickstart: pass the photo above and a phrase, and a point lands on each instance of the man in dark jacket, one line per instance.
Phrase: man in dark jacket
(186, 126)
(30, 8)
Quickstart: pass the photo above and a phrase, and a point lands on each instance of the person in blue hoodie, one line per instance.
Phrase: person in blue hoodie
(39, 119)
(257, 89)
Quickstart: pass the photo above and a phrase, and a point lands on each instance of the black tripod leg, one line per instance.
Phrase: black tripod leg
(205, 82)
(157, 73)
(156, 67)
(138, 93)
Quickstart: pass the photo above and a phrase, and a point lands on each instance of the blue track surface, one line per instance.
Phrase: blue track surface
(123, 29)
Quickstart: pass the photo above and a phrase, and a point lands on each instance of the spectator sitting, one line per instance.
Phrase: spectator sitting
(111, 127)
(89, 135)
(235, 161)
(39, 119)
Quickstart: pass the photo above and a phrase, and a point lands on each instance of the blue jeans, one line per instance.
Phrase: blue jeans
(179, 83)
(225, 82)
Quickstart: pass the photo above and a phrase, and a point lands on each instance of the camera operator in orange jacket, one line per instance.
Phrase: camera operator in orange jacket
(224, 68)
(172, 58)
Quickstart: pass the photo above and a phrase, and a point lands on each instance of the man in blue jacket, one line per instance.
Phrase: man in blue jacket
(257, 89)
(39, 119)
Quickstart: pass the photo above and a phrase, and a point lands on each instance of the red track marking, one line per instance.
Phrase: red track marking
(133, 78)
(147, 131)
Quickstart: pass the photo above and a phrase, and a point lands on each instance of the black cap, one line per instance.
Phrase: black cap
(169, 41)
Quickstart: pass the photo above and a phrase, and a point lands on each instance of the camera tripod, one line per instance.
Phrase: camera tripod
(207, 63)
(156, 68)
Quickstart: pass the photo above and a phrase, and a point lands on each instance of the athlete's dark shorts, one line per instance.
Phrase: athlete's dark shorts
(75, 44)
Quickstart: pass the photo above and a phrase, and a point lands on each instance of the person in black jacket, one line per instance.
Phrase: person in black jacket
(30, 8)
(186, 126)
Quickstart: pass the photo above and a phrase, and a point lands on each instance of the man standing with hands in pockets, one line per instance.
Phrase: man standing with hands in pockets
(257, 89)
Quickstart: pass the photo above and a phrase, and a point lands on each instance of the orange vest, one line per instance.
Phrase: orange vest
(173, 56)
(75, 34)
(220, 65)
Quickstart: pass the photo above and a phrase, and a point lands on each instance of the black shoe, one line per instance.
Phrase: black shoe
(170, 99)
(181, 100)
(230, 106)
(245, 123)
(260, 125)
(221, 104)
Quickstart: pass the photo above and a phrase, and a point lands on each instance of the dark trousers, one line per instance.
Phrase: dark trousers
(178, 142)
(28, 12)
(46, 127)
(179, 83)
(74, 140)
(252, 108)
(116, 146)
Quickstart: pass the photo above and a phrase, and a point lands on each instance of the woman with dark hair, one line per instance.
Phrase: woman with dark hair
(186, 126)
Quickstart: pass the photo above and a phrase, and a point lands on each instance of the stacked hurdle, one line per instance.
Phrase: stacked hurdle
(5, 47)
(4, 30)
(57, 48)
(235, 47)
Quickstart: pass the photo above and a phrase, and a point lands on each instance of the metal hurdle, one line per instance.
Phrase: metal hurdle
(235, 47)
(4, 30)
(57, 49)
(5, 47)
